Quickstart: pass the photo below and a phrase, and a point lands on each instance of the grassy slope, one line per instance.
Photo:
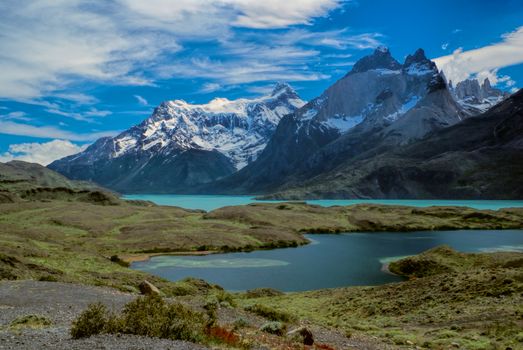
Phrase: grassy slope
(66, 233)
(475, 301)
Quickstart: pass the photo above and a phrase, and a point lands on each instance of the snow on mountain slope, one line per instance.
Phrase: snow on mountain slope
(237, 128)
(376, 93)
(182, 145)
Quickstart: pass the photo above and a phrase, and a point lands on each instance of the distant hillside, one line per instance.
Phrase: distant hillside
(30, 181)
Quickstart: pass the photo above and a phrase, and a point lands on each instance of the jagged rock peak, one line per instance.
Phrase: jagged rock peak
(419, 64)
(380, 59)
(477, 97)
(417, 57)
(281, 86)
(472, 88)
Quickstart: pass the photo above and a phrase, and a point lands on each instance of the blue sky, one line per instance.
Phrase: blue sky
(75, 70)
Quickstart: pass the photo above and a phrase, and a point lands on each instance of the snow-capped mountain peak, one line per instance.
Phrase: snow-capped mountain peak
(377, 92)
(239, 129)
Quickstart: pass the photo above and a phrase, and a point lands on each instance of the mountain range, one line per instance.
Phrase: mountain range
(182, 145)
(363, 137)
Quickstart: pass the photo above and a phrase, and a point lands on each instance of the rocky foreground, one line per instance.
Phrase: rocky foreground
(38, 315)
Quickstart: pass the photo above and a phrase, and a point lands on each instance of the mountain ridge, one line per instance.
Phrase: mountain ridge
(479, 158)
(277, 142)
(372, 107)
(182, 144)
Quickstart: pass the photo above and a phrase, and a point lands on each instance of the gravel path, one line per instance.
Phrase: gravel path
(61, 303)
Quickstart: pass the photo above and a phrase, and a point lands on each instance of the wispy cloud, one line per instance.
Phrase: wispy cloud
(210, 87)
(90, 115)
(47, 45)
(49, 132)
(18, 115)
(485, 61)
(279, 14)
(240, 72)
(78, 98)
(141, 100)
(41, 153)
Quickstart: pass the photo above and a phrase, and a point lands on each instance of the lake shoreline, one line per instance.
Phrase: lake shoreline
(332, 261)
(213, 202)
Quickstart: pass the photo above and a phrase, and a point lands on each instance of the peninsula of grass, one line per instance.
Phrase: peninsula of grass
(91, 242)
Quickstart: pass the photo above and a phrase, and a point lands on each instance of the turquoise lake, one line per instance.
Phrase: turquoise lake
(328, 261)
(211, 202)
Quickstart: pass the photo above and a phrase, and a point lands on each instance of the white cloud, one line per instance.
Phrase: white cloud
(42, 153)
(340, 39)
(240, 72)
(48, 45)
(141, 100)
(205, 15)
(278, 13)
(78, 98)
(263, 57)
(49, 132)
(210, 87)
(18, 115)
(86, 116)
(485, 61)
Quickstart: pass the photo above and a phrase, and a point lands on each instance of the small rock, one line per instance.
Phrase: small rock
(147, 288)
(302, 334)
(408, 342)
(455, 345)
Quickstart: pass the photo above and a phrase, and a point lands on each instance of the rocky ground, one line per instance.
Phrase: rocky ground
(61, 303)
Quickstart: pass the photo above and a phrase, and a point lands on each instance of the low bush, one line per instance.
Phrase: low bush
(146, 316)
(90, 322)
(263, 292)
(224, 298)
(119, 261)
(31, 321)
(224, 336)
(48, 278)
(274, 327)
(240, 323)
(269, 313)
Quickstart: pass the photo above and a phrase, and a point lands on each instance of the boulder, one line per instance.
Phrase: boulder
(301, 334)
(147, 288)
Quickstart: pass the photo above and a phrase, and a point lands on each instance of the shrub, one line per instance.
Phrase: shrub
(119, 261)
(90, 322)
(211, 307)
(224, 298)
(31, 321)
(48, 278)
(240, 323)
(274, 327)
(146, 316)
(269, 313)
(263, 292)
(223, 335)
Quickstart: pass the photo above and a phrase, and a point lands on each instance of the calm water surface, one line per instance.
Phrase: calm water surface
(211, 202)
(329, 261)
